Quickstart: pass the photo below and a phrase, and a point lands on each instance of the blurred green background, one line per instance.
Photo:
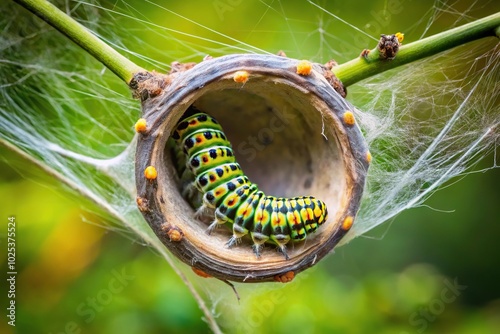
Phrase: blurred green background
(423, 272)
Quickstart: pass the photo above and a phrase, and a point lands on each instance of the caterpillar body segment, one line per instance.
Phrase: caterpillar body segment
(191, 124)
(214, 184)
(216, 176)
(203, 138)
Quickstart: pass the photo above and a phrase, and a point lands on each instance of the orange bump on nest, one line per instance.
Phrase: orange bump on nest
(175, 235)
(400, 36)
(141, 125)
(285, 278)
(173, 232)
(142, 203)
(368, 157)
(349, 118)
(241, 76)
(150, 173)
(200, 272)
(304, 67)
(347, 224)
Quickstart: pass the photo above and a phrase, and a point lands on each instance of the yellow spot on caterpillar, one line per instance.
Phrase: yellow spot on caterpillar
(232, 200)
(400, 36)
(258, 216)
(150, 173)
(346, 225)
(349, 118)
(285, 278)
(265, 216)
(241, 76)
(141, 126)
(317, 211)
(304, 67)
(310, 214)
(368, 157)
(200, 272)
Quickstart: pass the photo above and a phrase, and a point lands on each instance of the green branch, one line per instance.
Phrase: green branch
(361, 68)
(118, 64)
(349, 73)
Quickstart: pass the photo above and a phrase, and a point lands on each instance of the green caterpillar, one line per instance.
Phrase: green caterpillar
(214, 182)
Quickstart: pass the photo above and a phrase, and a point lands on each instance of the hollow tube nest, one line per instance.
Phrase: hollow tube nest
(292, 133)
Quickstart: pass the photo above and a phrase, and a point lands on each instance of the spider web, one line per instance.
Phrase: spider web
(426, 123)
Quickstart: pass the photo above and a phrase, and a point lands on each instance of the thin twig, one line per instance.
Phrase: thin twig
(363, 67)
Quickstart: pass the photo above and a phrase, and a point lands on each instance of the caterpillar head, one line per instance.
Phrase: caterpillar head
(324, 213)
(317, 215)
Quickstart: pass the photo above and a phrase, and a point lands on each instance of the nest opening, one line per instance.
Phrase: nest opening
(292, 134)
(280, 141)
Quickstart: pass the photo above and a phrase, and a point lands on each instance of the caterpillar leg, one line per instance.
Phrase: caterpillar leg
(196, 201)
(238, 233)
(213, 226)
(207, 208)
(282, 249)
(220, 219)
(233, 241)
(258, 240)
(256, 249)
(189, 190)
(202, 211)
(281, 240)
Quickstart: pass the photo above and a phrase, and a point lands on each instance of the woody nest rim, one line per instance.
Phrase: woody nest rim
(292, 134)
